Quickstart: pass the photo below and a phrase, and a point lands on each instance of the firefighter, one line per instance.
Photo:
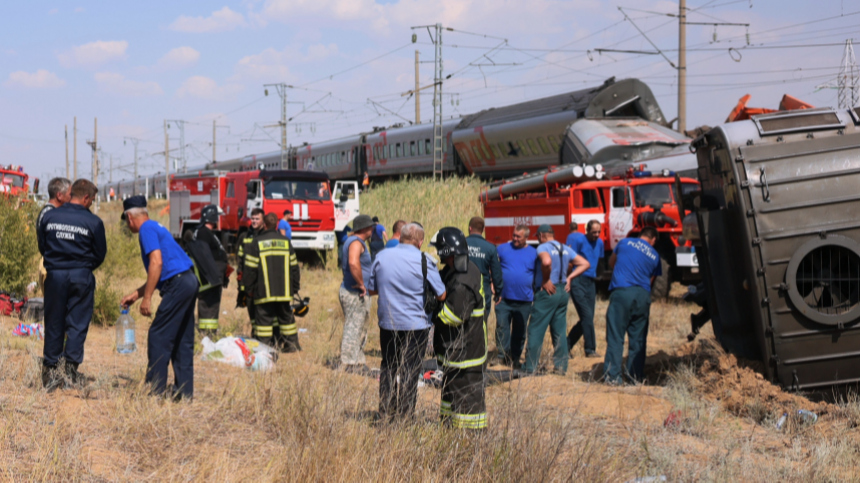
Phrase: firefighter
(209, 295)
(243, 300)
(272, 285)
(72, 240)
(557, 265)
(484, 255)
(59, 192)
(635, 264)
(460, 334)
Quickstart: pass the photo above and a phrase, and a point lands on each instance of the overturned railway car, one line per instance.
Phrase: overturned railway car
(778, 217)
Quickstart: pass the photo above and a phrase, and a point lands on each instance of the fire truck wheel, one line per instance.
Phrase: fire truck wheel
(663, 283)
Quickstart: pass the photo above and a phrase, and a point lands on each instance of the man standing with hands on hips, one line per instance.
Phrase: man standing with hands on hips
(168, 269)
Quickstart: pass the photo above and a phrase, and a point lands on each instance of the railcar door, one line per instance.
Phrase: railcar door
(620, 215)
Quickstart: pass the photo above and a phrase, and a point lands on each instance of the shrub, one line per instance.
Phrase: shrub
(18, 246)
(106, 306)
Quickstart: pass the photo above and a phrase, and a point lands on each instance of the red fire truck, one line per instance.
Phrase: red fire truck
(13, 181)
(316, 213)
(623, 201)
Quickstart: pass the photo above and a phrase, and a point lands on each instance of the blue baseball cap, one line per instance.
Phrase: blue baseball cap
(138, 201)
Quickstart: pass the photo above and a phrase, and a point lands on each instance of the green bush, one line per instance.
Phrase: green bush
(106, 306)
(18, 247)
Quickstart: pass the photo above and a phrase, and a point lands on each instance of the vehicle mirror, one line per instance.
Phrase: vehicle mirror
(251, 195)
(344, 198)
(36, 186)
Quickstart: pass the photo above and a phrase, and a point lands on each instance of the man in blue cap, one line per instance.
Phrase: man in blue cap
(72, 241)
(168, 269)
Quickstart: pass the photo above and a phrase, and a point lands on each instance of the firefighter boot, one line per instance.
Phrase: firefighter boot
(51, 378)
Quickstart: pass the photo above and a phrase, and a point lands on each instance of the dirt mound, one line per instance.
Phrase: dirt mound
(740, 386)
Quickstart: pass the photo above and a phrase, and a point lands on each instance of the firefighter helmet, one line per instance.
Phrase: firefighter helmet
(210, 213)
(300, 307)
(450, 241)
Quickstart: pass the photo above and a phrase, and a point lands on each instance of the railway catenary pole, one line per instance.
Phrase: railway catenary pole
(417, 92)
(438, 133)
(75, 144)
(215, 127)
(282, 91)
(682, 65)
(166, 163)
(67, 150)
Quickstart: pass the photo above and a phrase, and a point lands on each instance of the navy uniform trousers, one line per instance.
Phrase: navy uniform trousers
(68, 311)
(583, 293)
(628, 312)
(171, 336)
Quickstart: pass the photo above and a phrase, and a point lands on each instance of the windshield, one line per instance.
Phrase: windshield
(652, 194)
(13, 180)
(278, 189)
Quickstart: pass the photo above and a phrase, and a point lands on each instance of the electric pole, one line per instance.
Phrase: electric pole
(94, 144)
(67, 151)
(438, 132)
(110, 173)
(282, 91)
(682, 66)
(214, 129)
(166, 163)
(75, 132)
(134, 141)
(417, 94)
(181, 124)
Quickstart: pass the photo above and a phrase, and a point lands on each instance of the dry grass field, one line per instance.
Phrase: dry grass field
(305, 422)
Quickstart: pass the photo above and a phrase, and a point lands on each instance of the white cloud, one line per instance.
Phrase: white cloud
(220, 21)
(179, 57)
(41, 79)
(79, 10)
(53, 11)
(117, 84)
(201, 87)
(273, 65)
(94, 53)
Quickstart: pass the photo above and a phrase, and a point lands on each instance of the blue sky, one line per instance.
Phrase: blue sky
(135, 64)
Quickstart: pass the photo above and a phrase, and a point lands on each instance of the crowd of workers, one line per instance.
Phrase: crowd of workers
(418, 306)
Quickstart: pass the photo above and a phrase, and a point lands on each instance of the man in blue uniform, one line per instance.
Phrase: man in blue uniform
(168, 269)
(284, 225)
(583, 292)
(378, 238)
(517, 260)
(395, 237)
(484, 255)
(59, 193)
(557, 266)
(635, 265)
(72, 241)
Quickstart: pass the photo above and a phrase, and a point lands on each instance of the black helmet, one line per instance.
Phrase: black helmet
(209, 214)
(450, 241)
(300, 307)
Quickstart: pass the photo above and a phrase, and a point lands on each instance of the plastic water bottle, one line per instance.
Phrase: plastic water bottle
(125, 333)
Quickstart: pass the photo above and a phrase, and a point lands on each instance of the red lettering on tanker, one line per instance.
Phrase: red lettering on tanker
(523, 220)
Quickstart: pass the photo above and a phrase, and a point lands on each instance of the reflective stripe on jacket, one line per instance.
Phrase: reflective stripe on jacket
(460, 335)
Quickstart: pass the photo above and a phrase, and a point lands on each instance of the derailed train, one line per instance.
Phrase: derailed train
(492, 143)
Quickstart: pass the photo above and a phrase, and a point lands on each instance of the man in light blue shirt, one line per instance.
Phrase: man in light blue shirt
(397, 277)
(583, 291)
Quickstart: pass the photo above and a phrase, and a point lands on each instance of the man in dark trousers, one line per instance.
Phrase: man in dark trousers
(272, 279)
(243, 300)
(484, 255)
(583, 290)
(460, 334)
(171, 334)
(209, 295)
(517, 259)
(635, 264)
(397, 276)
(72, 241)
(557, 265)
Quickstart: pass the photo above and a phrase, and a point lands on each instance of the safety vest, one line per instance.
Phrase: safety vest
(271, 269)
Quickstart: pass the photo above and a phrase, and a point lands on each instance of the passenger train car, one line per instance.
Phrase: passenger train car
(495, 142)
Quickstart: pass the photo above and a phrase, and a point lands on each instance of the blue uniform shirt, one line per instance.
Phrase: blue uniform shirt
(378, 230)
(392, 243)
(558, 273)
(288, 230)
(518, 271)
(71, 238)
(636, 262)
(397, 276)
(153, 236)
(349, 282)
(592, 252)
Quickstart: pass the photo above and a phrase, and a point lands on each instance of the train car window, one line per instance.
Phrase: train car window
(376, 152)
(553, 141)
(428, 148)
(505, 150)
(496, 152)
(386, 151)
(523, 149)
(543, 145)
(399, 150)
(342, 157)
(533, 146)
(412, 148)
(478, 154)
(420, 148)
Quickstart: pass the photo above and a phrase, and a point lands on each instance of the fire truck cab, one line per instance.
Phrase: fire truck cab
(13, 181)
(623, 204)
(316, 213)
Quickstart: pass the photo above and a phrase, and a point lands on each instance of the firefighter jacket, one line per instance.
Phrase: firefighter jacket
(460, 335)
(208, 273)
(271, 269)
(240, 265)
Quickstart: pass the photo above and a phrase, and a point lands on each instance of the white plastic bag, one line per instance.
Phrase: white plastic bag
(237, 352)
